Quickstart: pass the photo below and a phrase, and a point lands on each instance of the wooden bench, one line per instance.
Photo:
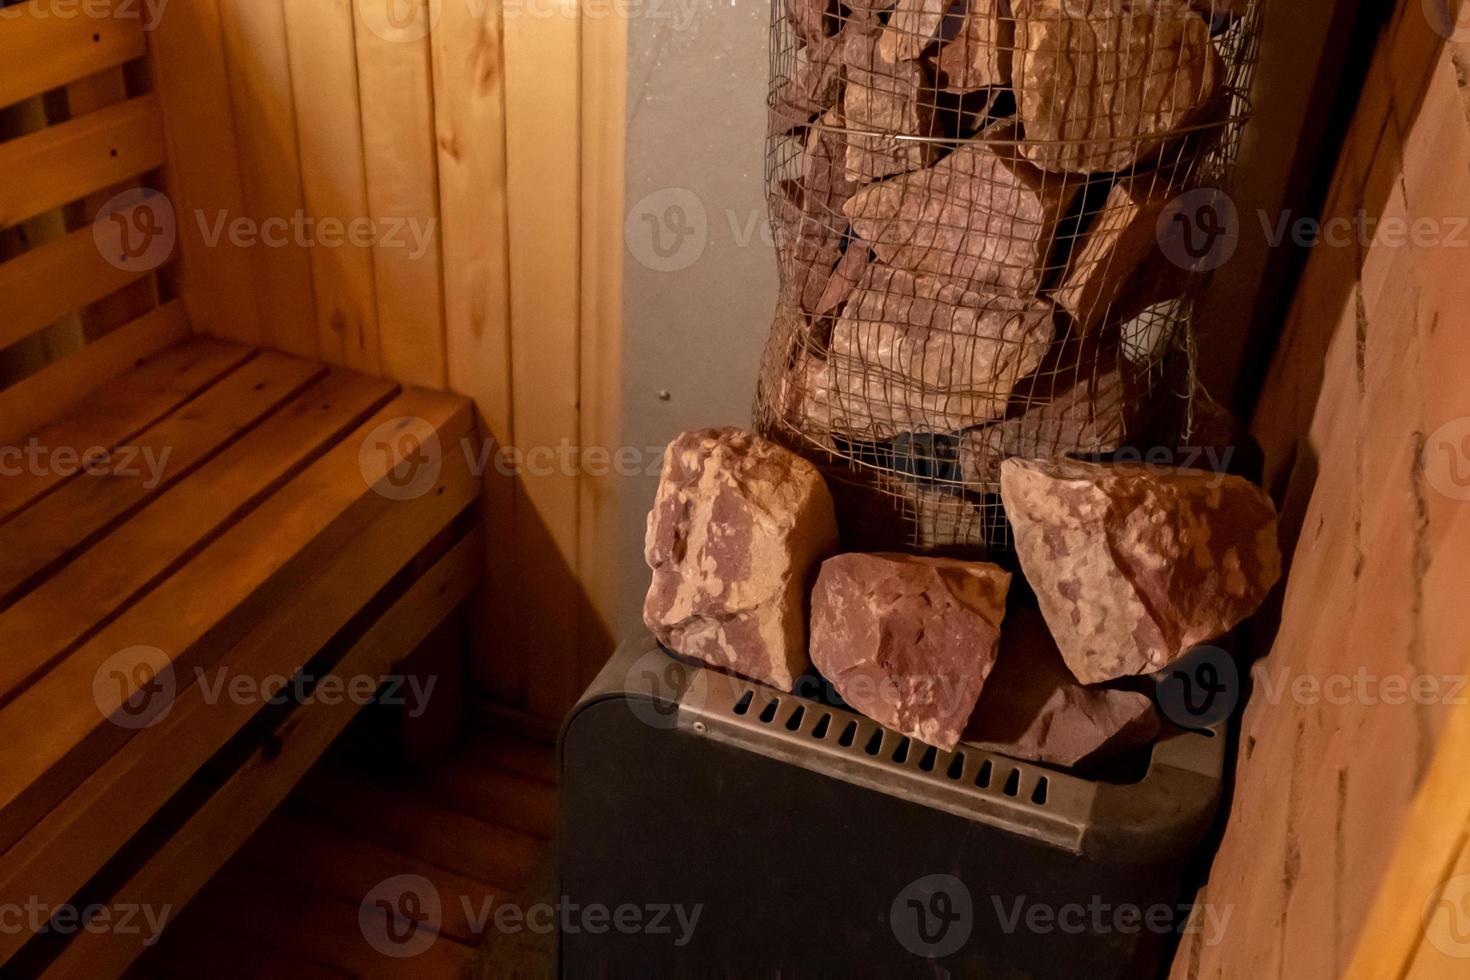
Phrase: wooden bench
(185, 524)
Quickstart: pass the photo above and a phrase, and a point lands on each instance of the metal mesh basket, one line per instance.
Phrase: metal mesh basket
(975, 207)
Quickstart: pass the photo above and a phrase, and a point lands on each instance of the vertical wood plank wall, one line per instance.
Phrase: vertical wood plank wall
(485, 145)
(1351, 804)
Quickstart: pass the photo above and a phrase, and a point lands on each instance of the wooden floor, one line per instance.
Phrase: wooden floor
(306, 897)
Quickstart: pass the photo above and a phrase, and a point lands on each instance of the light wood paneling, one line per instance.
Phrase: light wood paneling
(469, 106)
(190, 74)
(254, 34)
(42, 51)
(64, 163)
(394, 73)
(57, 389)
(543, 104)
(322, 42)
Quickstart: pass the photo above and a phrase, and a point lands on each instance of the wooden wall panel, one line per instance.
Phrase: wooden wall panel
(1349, 807)
(190, 74)
(543, 182)
(322, 40)
(469, 105)
(261, 99)
(396, 82)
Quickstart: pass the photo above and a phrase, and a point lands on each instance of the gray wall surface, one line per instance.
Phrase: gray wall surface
(699, 268)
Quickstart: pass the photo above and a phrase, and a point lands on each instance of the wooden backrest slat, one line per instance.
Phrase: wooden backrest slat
(65, 163)
(43, 47)
(46, 283)
(58, 389)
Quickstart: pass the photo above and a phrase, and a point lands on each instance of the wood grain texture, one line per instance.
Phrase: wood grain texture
(604, 88)
(223, 824)
(144, 393)
(97, 585)
(187, 58)
(65, 162)
(469, 107)
(117, 798)
(41, 51)
(395, 76)
(59, 730)
(57, 390)
(543, 177)
(40, 286)
(1347, 795)
(97, 498)
(261, 98)
(322, 39)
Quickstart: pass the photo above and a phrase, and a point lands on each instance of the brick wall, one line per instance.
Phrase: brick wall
(1365, 420)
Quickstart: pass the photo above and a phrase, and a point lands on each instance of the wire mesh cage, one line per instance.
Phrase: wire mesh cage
(988, 216)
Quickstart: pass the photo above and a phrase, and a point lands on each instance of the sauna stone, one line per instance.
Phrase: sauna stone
(980, 215)
(880, 99)
(1088, 414)
(1133, 565)
(736, 531)
(814, 87)
(938, 355)
(979, 54)
(1101, 83)
(909, 641)
(1115, 245)
(810, 214)
(1033, 708)
(911, 28)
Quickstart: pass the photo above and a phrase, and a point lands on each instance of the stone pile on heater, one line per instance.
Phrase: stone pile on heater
(969, 197)
(1131, 567)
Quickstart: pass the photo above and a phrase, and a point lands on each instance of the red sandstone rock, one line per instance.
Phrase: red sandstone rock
(1033, 708)
(736, 530)
(1101, 83)
(911, 28)
(814, 86)
(1115, 245)
(810, 215)
(1089, 415)
(936, 355)
(979, 55)
(980, 215)
(879, 99)
(1133, 565)
(908, 641)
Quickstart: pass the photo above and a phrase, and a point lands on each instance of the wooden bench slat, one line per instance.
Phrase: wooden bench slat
(68, 161)
(91, 590)
(110, 415)
(42, 51)
(222, 825)
(60, 277)
(57, 733)
(34, 542)
(60, 388)
(84, 830)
